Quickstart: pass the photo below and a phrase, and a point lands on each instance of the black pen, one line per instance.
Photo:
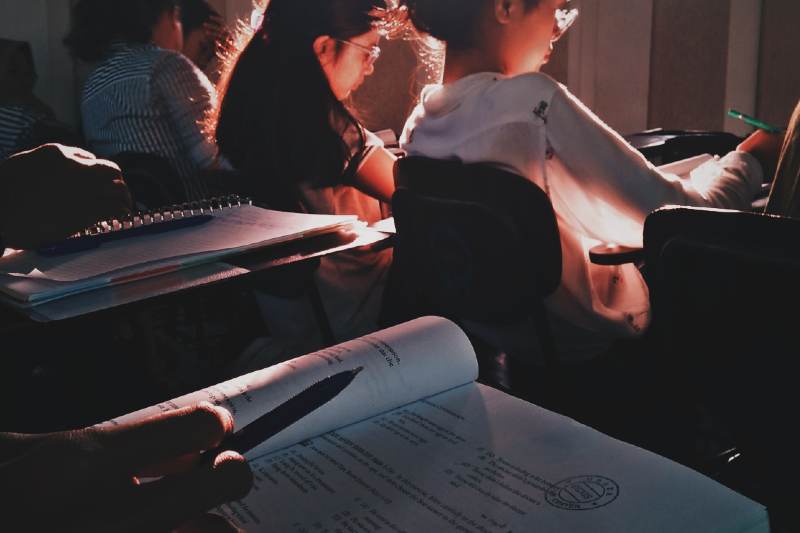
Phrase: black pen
(286, 414)
(87, 242)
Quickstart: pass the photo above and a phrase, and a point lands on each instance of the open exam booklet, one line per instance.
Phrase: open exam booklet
(413, 444)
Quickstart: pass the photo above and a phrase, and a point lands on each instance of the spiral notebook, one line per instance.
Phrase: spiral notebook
(153, 243)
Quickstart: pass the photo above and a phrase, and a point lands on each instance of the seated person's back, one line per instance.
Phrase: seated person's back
(144, 96)
(495, 107)
(25, 121)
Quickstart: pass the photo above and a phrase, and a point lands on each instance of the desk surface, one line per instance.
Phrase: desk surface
(233, 267)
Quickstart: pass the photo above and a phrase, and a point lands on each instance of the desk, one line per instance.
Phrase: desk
(237, 267)
(89, 357)
(662, 146)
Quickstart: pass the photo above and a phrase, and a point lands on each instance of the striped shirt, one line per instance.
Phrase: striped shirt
(146, 99)
(16, 128)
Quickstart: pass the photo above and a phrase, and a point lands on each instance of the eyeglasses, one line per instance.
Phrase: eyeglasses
(373, 52)
(564, 19)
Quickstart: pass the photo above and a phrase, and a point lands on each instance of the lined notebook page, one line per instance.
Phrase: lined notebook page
(235, 229)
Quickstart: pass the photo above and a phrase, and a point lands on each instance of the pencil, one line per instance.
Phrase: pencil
(754, 122)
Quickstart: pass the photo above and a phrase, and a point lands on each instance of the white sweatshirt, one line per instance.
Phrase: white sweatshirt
(601, 188)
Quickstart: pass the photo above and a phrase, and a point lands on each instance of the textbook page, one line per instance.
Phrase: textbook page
(401, 364)
(477, 460)
(236, 229)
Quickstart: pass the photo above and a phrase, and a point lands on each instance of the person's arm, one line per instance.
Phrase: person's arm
(375, 176)
(189, 97)
(54, 191)
(603, 166)
(766, 147)
(88, 480)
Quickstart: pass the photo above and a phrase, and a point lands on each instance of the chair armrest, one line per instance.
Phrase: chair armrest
(614, 254)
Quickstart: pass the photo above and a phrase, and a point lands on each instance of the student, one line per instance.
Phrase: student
(87, 480)
(25, 121)
(144, 96)
(784, 198)
(285, 125)
(495, 106)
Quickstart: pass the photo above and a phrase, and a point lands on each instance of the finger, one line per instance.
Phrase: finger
(179, 465)
(111, 200)
(73, 152)
(100, 192)
(171, 501)
(96, 162)
(166, 436)
(208, 523)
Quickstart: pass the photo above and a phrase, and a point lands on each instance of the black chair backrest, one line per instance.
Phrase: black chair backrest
(474, 243)
(756, 231)
(152, 180)
(725, 311)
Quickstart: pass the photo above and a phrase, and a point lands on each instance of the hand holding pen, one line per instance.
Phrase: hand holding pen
(764, 144)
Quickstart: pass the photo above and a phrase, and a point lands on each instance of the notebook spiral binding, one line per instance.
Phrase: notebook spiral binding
(166, 213)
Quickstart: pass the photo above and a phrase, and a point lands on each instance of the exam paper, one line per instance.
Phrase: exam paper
(477, 460)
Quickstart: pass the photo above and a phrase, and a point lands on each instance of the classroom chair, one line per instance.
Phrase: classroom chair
(725, 293)
(478, 245)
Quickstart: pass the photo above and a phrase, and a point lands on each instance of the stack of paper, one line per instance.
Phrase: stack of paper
(30, 278)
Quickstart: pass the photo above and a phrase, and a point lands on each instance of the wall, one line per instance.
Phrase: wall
(44, 23)
(779, 58)
(684, 59)
(678, 64)
(637, 63)
(682, 63)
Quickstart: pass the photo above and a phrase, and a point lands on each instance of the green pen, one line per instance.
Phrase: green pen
(754, 122)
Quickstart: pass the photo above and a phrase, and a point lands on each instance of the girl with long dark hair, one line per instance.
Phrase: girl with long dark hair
(284, 123)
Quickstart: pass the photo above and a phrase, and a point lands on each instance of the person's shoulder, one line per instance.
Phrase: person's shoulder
(524, 90)
(527, 84)
(174, 67)
(124, 60)
(532, 81)
(171, 60)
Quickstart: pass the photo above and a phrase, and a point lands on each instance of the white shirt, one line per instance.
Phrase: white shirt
(351, 282)
(601, 188)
